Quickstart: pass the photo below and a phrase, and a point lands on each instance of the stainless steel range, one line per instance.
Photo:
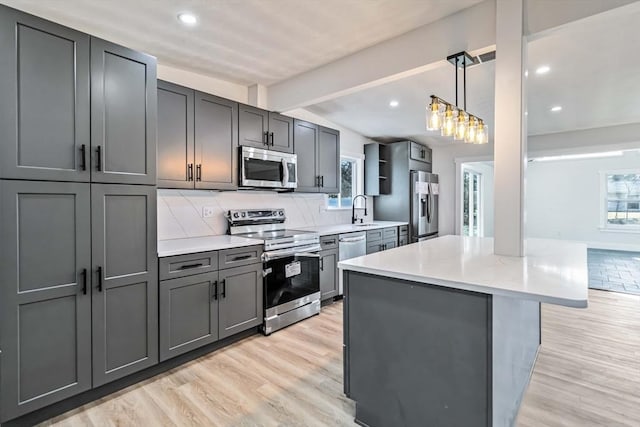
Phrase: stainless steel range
(290, 265)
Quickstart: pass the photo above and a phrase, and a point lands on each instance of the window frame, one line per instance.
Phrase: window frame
(605, 226)
(358, 160)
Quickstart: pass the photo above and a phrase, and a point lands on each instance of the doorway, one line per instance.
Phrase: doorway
(472, 212)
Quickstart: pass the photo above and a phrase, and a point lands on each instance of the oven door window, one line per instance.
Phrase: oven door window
(262, 170)
(291, 278)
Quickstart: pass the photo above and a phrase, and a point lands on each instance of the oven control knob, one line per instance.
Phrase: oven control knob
(281, 213)
(236, 215)
(243, 214)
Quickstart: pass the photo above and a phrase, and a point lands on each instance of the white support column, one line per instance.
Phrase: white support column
(257, 95)
(510, 129)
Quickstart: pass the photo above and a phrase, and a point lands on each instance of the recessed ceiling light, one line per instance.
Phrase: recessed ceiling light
(393, 104)
(188, 18)
(544, 69)
(556, 108)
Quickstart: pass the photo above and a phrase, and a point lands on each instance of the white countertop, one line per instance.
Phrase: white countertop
(325, 230)
(552, 272)
(203, 244)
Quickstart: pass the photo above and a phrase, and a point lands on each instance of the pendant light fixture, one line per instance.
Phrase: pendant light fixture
(451, 120)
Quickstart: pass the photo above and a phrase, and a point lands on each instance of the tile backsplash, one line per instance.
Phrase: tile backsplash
(180, 212)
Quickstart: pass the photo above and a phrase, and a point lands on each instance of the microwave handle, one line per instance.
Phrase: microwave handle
(285, 173)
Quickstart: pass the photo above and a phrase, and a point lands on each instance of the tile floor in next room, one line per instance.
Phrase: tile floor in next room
(617, 271)
(587, 374)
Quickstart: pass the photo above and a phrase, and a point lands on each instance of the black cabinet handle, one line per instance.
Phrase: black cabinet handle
(223, 294)
(99, 279)
(322, 181)
(265, 138)
(188, 266)
(190, 172)
(321, 264)
(317, 181)
(199, 172)
(99, 158)
(215, 290)
(84, 281)
(241, 257)
(329, 242)
(83, 155)
(272, 138)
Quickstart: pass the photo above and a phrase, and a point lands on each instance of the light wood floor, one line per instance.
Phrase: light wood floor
(588, 373)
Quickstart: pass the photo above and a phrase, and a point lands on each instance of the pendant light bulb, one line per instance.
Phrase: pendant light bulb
(470, 137)
(462, 121)
(480, 131)
(433, 115)
(448, 124)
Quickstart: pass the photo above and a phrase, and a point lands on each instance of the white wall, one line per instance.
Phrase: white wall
(203, 83)
(563, 201)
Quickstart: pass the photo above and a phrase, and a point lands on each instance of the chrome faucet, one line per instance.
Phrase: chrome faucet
(353, 208)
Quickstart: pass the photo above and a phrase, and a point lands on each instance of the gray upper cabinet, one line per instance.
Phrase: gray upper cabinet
(305, 138)
(125, 272)
(188, 313)
(329, 160)
(264, 129)
(45, 294)
(216, 142)
(280, 132)
(240, 298)
(44, 99)
(419, 152)
(175, 136)
(123, 115)
(318, 150)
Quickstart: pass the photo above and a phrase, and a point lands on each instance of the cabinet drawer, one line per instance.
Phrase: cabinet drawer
(403, 240)
(404, 230)
(236, 257)
(374, 235)
(390, 233)
(187, 265)
(329, 242)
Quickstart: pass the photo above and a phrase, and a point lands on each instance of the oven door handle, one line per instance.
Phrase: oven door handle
(285, 173)
(299, 251)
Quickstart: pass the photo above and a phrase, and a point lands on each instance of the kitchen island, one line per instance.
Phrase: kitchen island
(446, 333)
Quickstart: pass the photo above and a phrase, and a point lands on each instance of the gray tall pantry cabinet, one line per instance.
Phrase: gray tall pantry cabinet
(78, 263)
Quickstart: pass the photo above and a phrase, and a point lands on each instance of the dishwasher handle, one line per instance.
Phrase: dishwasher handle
(353, 239)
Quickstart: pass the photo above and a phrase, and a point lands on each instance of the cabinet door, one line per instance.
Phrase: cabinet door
(240, 299)
(216, 143)
(281, 132)
(188, 313)
(305, 143)
(253, 126)
(390, 243)
(45, 309)
(329, 274)
(44, 99)
(125, 292)
(329, 160)
(419, 152)
(403, 240)
(123, 115)
(176, 167)
(374, 247)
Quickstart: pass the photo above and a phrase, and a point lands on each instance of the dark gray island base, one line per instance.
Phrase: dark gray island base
(424, 355)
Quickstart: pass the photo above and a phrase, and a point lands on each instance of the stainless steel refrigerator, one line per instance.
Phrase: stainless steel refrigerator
(413, 191)
(424, 205)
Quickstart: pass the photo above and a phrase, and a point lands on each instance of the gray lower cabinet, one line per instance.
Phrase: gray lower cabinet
(45, 294)
(328, 273)
(201, 308)
(382, 239)
(240, 299)
(125, 285)
(44, 122)
(188, 313)
(123, 115)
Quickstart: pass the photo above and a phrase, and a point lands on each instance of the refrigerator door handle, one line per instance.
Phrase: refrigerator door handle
(429, 208)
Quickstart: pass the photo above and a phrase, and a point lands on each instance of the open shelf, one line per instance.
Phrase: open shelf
(377, 169)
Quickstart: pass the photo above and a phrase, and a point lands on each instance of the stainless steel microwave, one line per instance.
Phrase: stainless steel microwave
(268, 169)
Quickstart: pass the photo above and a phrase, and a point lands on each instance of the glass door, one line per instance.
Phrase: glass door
(471, 203)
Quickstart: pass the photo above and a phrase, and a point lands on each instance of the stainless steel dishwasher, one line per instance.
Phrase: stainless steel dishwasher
(351, 245)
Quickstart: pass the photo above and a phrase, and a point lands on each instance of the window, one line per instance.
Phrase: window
(471, 203)
(350, 183)
(622, 200)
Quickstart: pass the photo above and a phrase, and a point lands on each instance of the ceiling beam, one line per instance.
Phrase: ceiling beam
(417, 51)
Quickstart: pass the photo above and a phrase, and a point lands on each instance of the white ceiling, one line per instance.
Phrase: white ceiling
(246, 41)
(594, 77)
